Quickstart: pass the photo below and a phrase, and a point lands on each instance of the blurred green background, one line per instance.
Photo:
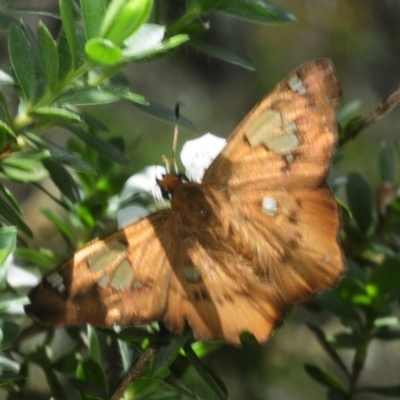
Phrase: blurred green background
(363, 40)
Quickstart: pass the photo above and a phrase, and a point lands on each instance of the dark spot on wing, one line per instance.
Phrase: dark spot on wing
(293, 217)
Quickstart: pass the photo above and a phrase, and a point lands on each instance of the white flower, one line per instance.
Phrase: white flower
(141, 192)
(198, 154)
(18, 277)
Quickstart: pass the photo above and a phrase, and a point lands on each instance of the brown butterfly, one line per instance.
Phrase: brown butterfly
(232, 253)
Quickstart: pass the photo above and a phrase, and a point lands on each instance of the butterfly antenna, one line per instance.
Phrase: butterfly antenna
(176, 133)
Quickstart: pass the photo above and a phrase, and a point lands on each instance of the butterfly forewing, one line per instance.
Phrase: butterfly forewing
(288, 139)
(232, 253)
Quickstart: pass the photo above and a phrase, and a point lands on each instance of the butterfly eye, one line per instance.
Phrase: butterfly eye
(183, 178)
(166, 195)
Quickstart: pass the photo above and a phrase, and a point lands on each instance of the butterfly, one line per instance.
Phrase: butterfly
(232, 253)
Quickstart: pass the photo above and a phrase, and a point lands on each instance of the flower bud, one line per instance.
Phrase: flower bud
(124, 17)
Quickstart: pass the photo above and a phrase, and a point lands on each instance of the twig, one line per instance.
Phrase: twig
(383, 109)
(134, 372)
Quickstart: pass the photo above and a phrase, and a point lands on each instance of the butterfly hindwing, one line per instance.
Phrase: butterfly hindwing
(122, 279)
(215, 290)
(294, 237)
(273, 171)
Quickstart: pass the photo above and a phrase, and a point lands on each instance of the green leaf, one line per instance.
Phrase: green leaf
(188, 377)
(355, 293)
(33, 44)
(6, 20)
(156, 389)
(5, 115)
(22, 61)
(325, 378)
(8, 364)
(11, 198)
(5, 130)
(87, 96)
(351, 127)
(34, 11)
(347, 110)
(105, 149)
(41, 257)
(9, 299)
(387, 163)
(55, 115)
(389, 391)
(126, 94)
(360, 200)
(23, 169)
(345, 341)
(8, 377)
(164, 114)
(64, 56)
(42, 359)
(128, 353)
(103, 51)
(384, 277)
(387, 334)
(61, 226)
(257, 11)
(221, 55)
(68, 22)
(94, 345)
(10, 333)
(8, 237)
(386, 322)
(90, 371)
(49, 55)
(319, 334)
(92, 13)
(168, 352)
(328, 301)
(204, 372)
(63, 180)
(59, 154)
(136, 335)
(12, 217)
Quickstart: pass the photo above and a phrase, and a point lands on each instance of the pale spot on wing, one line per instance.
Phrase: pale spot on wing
(107, 255)
(269, 206)
(113, 316)
(56, 281)
(283, 144)
(264, 127)
(192, 274)
(297, 85)
(122, 275)
(289, 158)
(269, 130)
(137, 285)
(103, 281)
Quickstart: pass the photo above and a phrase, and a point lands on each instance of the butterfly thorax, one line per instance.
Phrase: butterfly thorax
(194, 203)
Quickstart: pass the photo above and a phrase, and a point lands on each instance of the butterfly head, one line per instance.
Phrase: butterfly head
(169, 183)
